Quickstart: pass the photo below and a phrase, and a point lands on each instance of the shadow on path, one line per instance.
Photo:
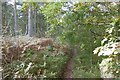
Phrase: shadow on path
(68, 67)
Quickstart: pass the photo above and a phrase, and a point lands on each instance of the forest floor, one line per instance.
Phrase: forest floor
(38, 44)
(68, 68)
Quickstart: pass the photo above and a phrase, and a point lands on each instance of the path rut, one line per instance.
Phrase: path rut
(68, 68)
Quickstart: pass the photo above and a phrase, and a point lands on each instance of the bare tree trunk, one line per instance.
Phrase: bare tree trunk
(105, 68)
(10, 28)
(15, 19)
(1, 42)
(30, 28)
(26, 32)
(4, 19)
(35, 14)
(0, 18)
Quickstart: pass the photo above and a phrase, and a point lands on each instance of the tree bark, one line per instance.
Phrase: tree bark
(15, 19)
(106, 69)
(1, 42)
(26, 32)
(30, 27)
(0, 18)
(35, 14)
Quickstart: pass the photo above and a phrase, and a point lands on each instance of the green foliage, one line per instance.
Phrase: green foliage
(73, 26)
(86, 66)
(25, 6)
(81, 24)
(110, 44)
(84, 24)
(35, 64)
(72, 23)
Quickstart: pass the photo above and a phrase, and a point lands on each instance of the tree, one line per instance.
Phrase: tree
(82, 25)
(32, 18)
(0, 18)
(15, 19)
(69, 22)
(109, 49)
(35, 18)
(30, 26)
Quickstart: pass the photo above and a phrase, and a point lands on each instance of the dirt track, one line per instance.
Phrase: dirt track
(68, 69)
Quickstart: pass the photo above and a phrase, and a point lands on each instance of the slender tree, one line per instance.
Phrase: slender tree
(30, 27)
(0, 35)
(15, 19)
(35, 15)
(0, 18)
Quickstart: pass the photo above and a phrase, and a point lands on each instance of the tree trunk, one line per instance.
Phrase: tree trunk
(26, 32)
(0, 18)
(1, 40)
(9, 26)
(35, 14)
(15, 19)
(4, 19)
(30, 28)
(105, 68)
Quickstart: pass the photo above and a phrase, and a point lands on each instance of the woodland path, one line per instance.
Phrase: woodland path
(68, 68)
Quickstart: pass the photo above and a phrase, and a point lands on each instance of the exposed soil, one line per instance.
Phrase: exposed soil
(68, 68)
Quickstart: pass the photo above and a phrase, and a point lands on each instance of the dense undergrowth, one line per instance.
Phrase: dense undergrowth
(36, 64)
(85, 25)
(31, 57)
(46, 62)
